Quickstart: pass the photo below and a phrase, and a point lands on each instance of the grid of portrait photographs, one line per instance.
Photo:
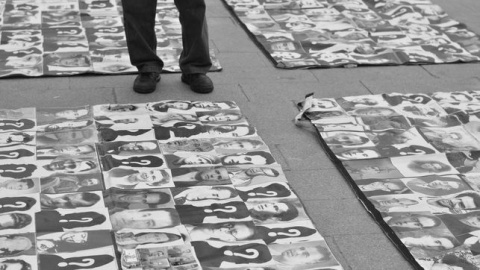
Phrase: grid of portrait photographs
(413, 160)
(348, 33)
(166, 185)
(68, 37)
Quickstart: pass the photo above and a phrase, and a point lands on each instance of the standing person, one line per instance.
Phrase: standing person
(139, 18)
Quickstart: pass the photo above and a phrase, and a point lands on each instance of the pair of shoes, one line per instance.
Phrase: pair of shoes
(199, 82)
(146, 82)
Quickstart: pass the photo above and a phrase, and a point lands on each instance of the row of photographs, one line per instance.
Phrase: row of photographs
(74, 37)
(331, 33)
(391, 125)
(209, 195)
(417, 172)
(208, 214)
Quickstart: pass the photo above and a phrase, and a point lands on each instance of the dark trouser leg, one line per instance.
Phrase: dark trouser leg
(195, 57)
(139, 21)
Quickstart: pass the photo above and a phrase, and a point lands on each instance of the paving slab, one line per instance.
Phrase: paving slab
(352, 220)
(378, 253)
(315, 184)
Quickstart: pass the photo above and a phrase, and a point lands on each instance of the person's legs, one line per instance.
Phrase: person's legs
(139, 22)
(195, 57)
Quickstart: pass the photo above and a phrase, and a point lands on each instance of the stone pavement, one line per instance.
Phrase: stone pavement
(267, 96)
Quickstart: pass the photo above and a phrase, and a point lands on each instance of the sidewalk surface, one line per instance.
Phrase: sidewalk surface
(267, 96)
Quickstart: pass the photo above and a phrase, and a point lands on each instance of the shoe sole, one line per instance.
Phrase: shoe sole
(141, 90)
(199, 91)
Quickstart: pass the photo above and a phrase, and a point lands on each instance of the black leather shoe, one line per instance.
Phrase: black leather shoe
(199, 82)
(146, 82)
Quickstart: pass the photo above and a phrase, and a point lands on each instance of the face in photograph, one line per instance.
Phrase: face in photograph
(144, 219)
(14, 221)
(273, 211)
(372, 169)
(430, 242)
(7, 139)
(219, 117)
(403, 221)
(165, 106)
(118, 108)
(71, 166)
(245, 176)
(66, 137)
(17, 185)
(457, 203)
(423, 167)
(191, 145)
(131, 239)
(345, 139)
(453, 138)
(322, 104)
(437, 185)
(253, 158)
(69, 125)
(230, 130)
(374, 111)
(14, 245)
(14, 264)
(452, 97)
(359, 153)
(195, 176)
(379, 187)
(72, 113)
(214, 105)
(228, 231)
(150, 197)
(127, 178)
(128, 148)
(454, 262)
(138, 147)
(238, 144)
(70, 150)
(205, 193)
(386, 203)
(71, 183)
(69, 201)
(302, 254)
(192, 159)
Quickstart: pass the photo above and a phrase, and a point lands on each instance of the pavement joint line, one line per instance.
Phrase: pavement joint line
(430, 73)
